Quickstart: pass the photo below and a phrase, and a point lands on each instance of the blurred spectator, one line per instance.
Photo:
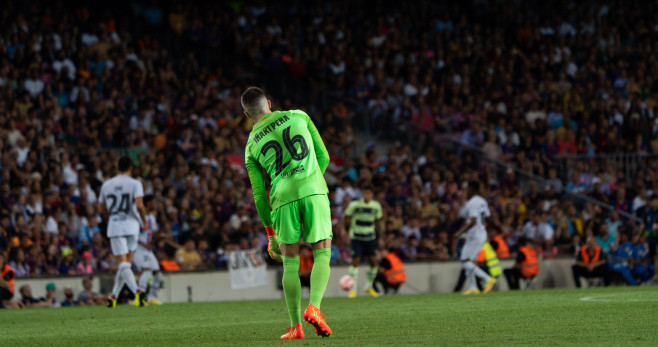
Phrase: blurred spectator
(642, 268)
(51, 295)
(604, 240)
(538, 231)
(619, 258)
(87, 296)
(28, 301)
(187, 257)
(69, 299)
(85, 264)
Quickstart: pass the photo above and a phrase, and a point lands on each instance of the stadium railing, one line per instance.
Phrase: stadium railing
(524, 176)
(629, 163)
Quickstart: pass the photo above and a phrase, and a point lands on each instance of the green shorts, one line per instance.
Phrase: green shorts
(313, 212)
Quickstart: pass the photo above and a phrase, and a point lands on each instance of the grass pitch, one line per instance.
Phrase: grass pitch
(601, 316)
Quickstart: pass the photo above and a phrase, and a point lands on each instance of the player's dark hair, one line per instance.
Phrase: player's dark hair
(367, 187)
(251, 97)
(522, 241)
(474, 185)
(125, 164)
(147, 198)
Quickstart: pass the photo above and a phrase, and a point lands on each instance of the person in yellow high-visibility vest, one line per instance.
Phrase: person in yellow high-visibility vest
(488, 261)
(489, 257)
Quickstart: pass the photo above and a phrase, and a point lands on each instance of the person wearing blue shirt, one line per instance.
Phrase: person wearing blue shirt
(641, 265)
(618, 259)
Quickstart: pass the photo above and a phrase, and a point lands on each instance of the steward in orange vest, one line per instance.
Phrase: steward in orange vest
(169, 265)
(500, 245)
(7, 278)
(526, 266)
(391, 273)
(591, 263)
(529, 264)
(305, 265)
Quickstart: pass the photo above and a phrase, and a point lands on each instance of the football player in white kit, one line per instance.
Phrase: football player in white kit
(474, 212)
(121, 200)
(144, 259)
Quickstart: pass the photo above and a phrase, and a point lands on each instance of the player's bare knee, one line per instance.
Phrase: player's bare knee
(326, 243)
(290, 250)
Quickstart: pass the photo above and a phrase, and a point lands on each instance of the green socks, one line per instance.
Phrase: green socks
(372, 273)
(320, 275)
(354, 272)
(292, 288)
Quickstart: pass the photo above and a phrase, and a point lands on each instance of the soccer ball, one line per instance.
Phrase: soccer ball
(346, 282)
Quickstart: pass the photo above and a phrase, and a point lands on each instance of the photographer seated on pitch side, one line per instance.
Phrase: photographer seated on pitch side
(590, 263)
(526, 265)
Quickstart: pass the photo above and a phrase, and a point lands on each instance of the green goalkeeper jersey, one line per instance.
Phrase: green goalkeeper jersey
(289, 147)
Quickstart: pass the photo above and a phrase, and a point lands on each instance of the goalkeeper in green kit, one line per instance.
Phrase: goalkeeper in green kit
(288, 147)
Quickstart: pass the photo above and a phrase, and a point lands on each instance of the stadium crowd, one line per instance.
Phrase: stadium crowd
(82, 85)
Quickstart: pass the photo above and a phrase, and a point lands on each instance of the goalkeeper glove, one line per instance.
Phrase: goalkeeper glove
(272, 245)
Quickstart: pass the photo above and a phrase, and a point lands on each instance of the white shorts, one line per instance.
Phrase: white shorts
(123, 244)
(145, 259)
(473, 246)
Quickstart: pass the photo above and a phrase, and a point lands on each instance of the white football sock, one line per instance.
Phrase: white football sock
(128, 276)
(469, 271)
(155, 285)
(118, 283)
(481, 274)
(144, 278)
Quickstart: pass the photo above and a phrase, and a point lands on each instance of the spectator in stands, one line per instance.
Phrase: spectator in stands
(538, 231)
(642, 268)
(51, 295)
(69, 299)
(67, 266)
(619, 258)
(28, 301)
(187, 257)
(526, 265)
(590, 263)
(17, 262)
(604, 239)
(87, 296)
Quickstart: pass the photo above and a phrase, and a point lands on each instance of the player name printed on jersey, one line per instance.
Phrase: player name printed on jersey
(118, 195)
(270, 127)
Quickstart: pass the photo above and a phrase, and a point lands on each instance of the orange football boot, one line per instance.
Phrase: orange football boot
(294, 333)
(313, 316)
